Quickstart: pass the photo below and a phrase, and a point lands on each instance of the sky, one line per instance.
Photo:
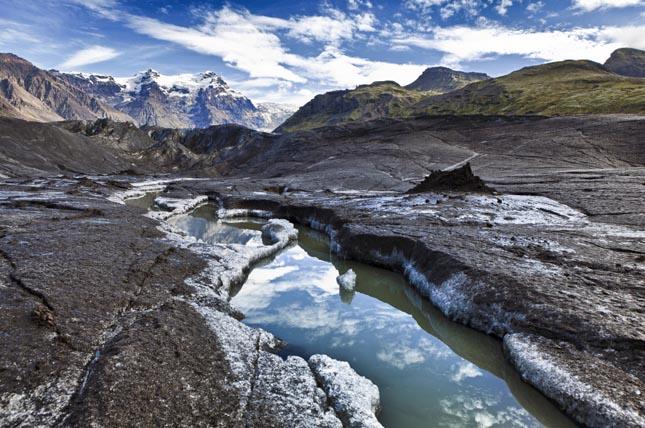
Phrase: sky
(287, 51)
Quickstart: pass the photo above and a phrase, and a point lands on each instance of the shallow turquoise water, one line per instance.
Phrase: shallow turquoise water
(430, 372)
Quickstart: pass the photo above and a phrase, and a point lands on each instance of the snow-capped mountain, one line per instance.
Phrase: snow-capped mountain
(179, 101)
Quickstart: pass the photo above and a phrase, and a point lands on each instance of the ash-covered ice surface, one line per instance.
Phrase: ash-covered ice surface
(568, 376)
(557, 255)
(504, 264)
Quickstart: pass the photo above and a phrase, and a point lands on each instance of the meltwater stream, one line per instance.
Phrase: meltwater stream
(431, 372)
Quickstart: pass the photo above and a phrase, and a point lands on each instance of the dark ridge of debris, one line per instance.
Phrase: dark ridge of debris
(457, 180)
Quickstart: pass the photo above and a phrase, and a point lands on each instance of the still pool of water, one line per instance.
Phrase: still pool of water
(431, 372)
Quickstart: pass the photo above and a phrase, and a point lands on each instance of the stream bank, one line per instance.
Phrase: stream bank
(427, 368)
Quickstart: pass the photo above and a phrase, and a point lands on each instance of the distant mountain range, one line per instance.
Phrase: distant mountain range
(553, 89)
(204, 99)
(148, 98)
(366, 102)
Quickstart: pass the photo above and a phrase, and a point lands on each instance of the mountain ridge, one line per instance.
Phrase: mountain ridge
(188, 100)
(366, 102)
(552, 89)
(443, 79)
(30, 93)
(196, 100)
(559, 88)
(200, 100)
(376, 100)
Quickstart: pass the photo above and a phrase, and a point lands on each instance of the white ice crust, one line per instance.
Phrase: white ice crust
(557, 382)
(175, 206)
(347, 281)
(354, 397)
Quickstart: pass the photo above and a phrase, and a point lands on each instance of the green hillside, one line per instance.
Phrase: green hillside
(553, 89)
(366, 102)
(559, 88)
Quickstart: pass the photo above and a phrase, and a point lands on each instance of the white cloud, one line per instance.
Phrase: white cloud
(254, 44)
(228, 35)
(629, 36)
(503, 5)
(91, 55)
(107, 9)
(333, 27)
(95, 4)
(465, 370)
(589, 5)
(334, 68)
(447, 8)
(535, 6)
(460, 43)
(11, 32)
(357, 4)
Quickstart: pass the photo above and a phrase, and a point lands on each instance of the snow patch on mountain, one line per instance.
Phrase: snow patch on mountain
(183, 100)
(177, 85)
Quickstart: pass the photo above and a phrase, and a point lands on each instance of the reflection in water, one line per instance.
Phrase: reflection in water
(431, 372)
(201, 225)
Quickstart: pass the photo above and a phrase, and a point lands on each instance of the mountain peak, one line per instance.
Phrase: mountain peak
(7, 57)
(565, 69)
(148, 75)
(443, 79)
(209, 75)
(627, 62)
(182, 85)
(13, 64)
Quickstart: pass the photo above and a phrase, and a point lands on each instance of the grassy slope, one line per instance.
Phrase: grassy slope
(363, 103)
(560, 88)
(554, 89)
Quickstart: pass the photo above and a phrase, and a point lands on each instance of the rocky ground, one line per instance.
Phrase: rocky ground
(554, 264)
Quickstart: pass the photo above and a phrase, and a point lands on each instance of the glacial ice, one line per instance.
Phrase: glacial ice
(354, 397)
(347, 281)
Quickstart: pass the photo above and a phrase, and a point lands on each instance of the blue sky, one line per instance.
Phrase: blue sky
(290, 50)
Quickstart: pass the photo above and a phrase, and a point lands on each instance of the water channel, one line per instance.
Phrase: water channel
(431, 372)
